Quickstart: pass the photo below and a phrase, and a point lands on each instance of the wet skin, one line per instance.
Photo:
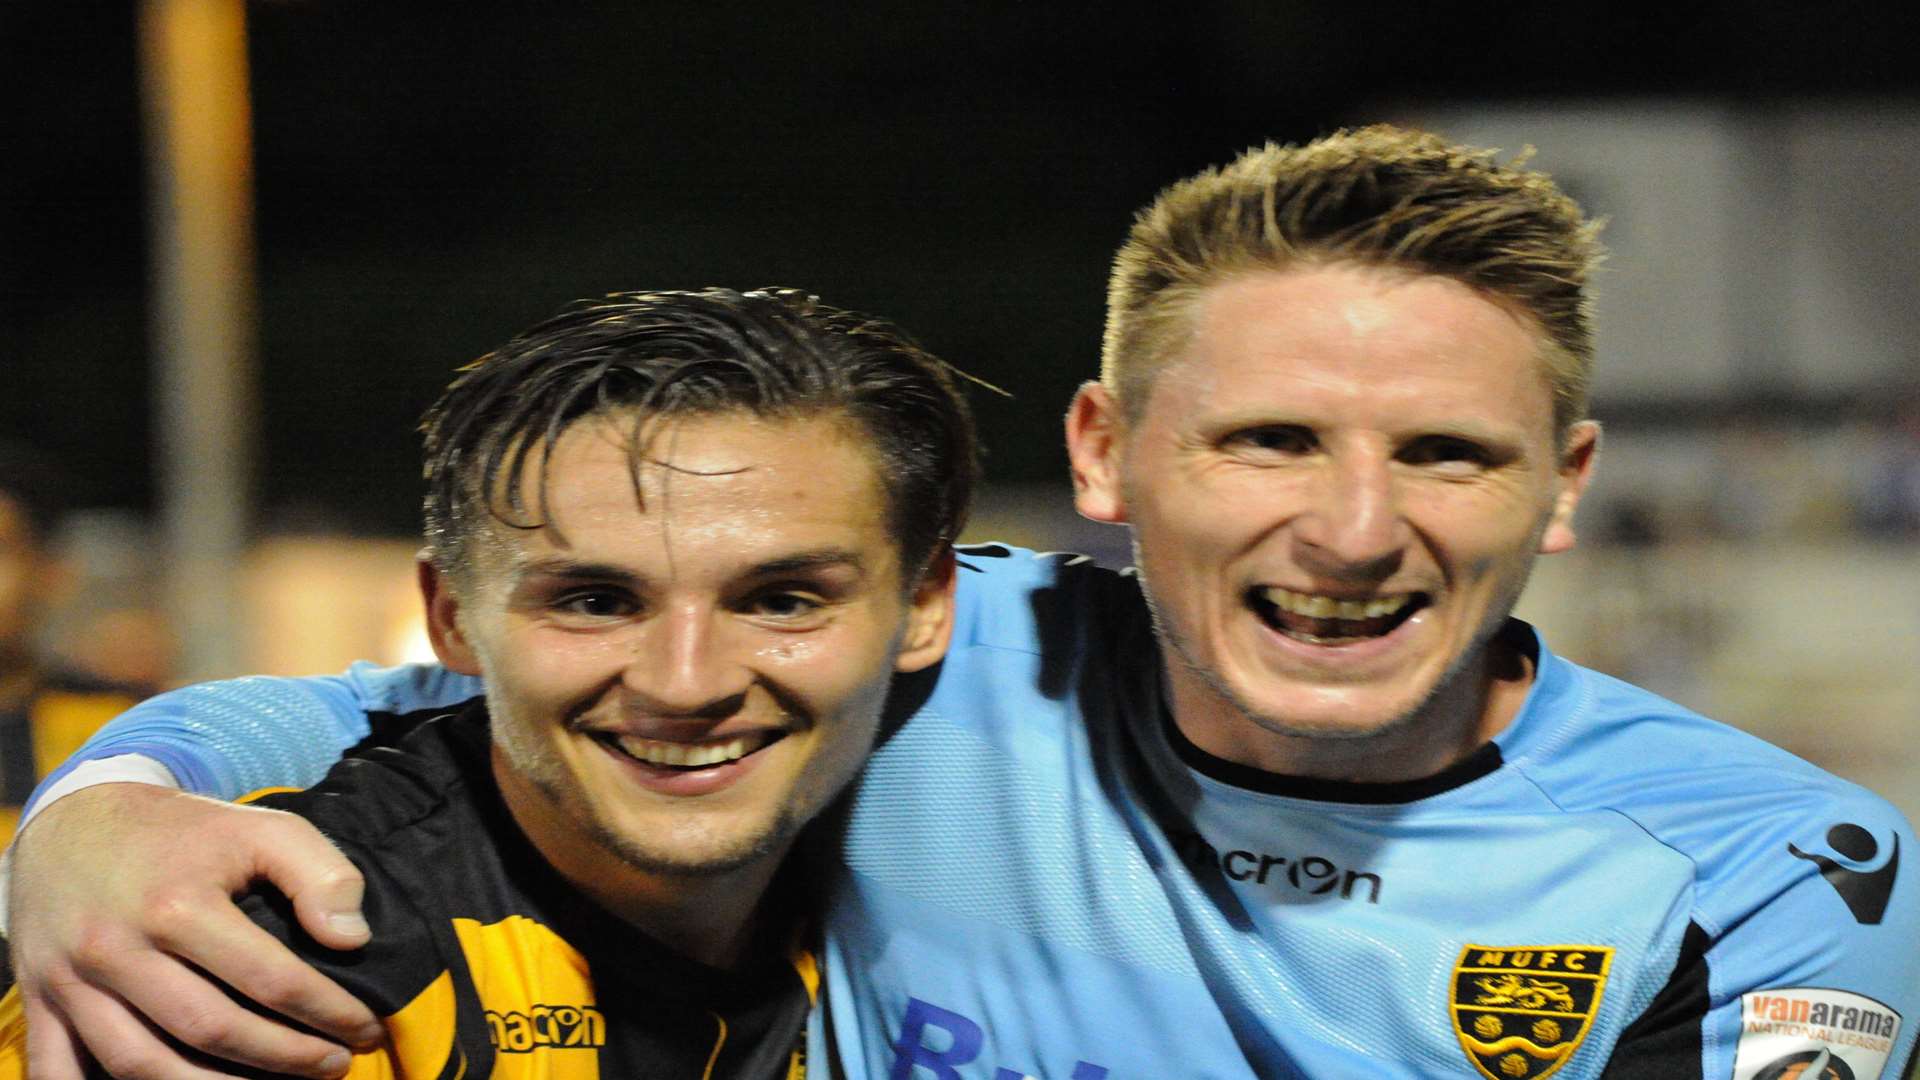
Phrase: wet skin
(678, 682)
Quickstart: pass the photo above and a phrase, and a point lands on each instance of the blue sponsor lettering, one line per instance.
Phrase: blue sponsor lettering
(963, 1042)
(958, 1043)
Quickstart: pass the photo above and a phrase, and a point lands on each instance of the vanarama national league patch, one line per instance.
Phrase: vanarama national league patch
(1521, 1011)
(1812, 1033)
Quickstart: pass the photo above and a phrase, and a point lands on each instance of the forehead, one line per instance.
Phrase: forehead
(705, 491)
(1392, 340)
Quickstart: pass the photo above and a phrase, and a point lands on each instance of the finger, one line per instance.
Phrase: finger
(202, 1016)
(53, 1050)
(117, 1040)
(324, 886)
(227, 945)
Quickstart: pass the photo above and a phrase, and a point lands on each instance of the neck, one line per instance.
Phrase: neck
(1471, 706)
(711, 919)
(708, 917)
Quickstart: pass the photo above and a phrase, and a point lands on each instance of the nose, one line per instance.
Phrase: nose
(683, 665)
(1352, 526)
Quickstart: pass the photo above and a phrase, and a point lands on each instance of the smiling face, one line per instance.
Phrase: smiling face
(1337, 488)
(680, 681)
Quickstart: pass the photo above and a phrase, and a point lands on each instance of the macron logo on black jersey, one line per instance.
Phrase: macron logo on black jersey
(1866, 892)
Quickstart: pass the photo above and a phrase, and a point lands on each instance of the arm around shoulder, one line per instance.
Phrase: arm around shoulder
(233, 736)
(118, 924)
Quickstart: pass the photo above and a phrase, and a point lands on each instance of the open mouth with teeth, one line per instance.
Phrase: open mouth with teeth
(686, 756)
(1322, 620)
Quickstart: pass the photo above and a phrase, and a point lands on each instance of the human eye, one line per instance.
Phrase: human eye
(593, 604)
(786, 605)
(1272, 440)
(1449, 453)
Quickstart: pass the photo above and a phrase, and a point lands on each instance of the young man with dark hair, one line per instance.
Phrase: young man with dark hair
(686, 631)
(1301, 800)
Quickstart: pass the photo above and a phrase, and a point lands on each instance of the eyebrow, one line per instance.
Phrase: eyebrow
(800, 562)
(555, 566)
(1465, 427)
(810, 560)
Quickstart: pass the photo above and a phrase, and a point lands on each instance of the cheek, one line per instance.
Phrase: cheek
(832, 664)
(1481, 529)
(792, 652)
(1230, 506)
(846, 744)
(1188, 552)
(542, 665)
(1183, 527)
(844, 684)
(846, 688)
(537, 645)
(822, 674)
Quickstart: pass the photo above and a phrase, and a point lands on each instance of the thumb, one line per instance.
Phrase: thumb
(324, 886)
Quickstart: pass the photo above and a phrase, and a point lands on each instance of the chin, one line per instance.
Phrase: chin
(703, 855)
(1330, 728)
(1332, 714)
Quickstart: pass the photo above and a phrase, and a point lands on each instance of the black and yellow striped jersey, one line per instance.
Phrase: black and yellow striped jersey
(486, 963)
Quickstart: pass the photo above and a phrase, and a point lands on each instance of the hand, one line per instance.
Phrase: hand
(122, 905)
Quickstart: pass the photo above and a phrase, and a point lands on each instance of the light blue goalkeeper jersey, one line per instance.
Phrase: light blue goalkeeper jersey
(1042, 878)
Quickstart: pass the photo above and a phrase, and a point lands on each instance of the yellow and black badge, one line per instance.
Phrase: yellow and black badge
(1521, 1011)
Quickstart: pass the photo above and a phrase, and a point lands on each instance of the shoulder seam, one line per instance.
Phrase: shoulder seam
(1694, 913)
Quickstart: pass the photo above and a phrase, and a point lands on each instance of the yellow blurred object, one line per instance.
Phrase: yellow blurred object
(58, 720)
(13, 1037)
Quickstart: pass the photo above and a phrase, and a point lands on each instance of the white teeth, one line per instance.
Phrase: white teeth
(689, 755)
(1326, 607)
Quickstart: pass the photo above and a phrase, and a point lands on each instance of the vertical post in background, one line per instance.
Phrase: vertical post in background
(193, 62)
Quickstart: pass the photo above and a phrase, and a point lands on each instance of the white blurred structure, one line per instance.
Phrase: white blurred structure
(1753, 250)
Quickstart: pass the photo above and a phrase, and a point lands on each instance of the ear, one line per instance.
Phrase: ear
(1576, 468)
(443, 619)
(929, 615)
(1095, 434)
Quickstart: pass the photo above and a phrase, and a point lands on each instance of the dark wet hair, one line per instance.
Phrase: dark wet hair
(776, 353)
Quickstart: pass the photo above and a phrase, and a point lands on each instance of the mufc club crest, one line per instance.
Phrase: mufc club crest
(1521, 1011)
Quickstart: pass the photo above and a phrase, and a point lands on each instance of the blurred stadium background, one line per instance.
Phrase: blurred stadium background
(408, 184)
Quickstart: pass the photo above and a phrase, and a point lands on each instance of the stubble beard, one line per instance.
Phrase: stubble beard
(536, 763)
(1463, 677)
(717, 860)
(1450, 682)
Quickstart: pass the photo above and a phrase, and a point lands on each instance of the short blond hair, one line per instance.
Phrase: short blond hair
(1377, 196)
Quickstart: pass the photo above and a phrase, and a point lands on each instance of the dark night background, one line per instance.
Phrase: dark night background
(430, 178)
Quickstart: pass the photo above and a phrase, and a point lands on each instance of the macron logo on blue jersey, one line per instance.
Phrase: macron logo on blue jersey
(958, 1043)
